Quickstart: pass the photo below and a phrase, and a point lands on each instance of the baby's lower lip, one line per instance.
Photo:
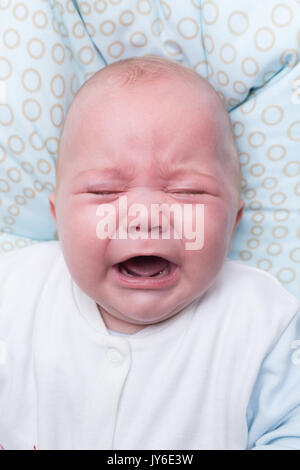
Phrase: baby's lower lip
(146, 282)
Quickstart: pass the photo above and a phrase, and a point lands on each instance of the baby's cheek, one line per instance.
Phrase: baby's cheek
(217, 224)
(77, 231)
(84, 252)
(216, 231)
(79, 221)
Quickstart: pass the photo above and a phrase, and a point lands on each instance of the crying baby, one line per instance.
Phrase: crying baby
(139, 332)
(152, 132)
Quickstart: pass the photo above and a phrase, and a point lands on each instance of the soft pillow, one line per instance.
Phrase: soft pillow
(253, 62)
(50, 48)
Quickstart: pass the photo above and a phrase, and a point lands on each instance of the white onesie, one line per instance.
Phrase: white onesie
(224, 373)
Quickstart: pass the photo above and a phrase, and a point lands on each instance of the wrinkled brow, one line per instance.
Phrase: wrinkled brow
(114, 172)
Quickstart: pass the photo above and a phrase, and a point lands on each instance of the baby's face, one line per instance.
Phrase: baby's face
(153, 143)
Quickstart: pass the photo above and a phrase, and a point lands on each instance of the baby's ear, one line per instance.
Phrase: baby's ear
(239, 213)
(237, 221)
(51, 198)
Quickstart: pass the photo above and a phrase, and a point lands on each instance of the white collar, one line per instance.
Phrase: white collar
(154, 333)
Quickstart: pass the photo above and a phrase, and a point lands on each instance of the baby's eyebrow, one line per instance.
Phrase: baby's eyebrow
(181, 172)
(128, 173)
(117, 173)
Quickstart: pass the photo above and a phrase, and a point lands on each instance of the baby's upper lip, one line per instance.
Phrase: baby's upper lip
(171, 257)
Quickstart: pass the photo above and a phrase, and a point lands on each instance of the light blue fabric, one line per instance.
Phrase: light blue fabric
(117, 333)
(273, 413)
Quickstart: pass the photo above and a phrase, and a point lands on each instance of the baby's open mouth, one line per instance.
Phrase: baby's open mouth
(145, 266)
(146, 272)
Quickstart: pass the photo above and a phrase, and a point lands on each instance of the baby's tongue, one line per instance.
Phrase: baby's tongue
(145, 265)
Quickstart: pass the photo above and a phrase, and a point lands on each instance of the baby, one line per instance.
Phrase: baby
(124, 335)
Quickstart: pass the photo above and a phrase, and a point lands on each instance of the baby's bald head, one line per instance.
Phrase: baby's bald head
(124, 76)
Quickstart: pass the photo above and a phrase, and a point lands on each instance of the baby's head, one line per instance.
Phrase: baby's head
(149, 131)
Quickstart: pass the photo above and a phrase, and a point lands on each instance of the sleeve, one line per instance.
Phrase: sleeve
(273, 412)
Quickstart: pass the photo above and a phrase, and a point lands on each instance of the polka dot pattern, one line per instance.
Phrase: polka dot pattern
(252, 60)
(248, 46)
(40, 42)
(270, 165)
(48, 49)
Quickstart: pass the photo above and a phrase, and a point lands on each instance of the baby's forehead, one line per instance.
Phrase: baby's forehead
(107, 88)
(97, 114)
(142, 122)
(152, 80)
(162, 106)
(189, 117)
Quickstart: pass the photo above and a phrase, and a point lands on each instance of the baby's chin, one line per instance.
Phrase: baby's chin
(141, 308)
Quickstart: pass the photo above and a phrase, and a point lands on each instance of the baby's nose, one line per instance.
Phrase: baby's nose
(145, 211)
